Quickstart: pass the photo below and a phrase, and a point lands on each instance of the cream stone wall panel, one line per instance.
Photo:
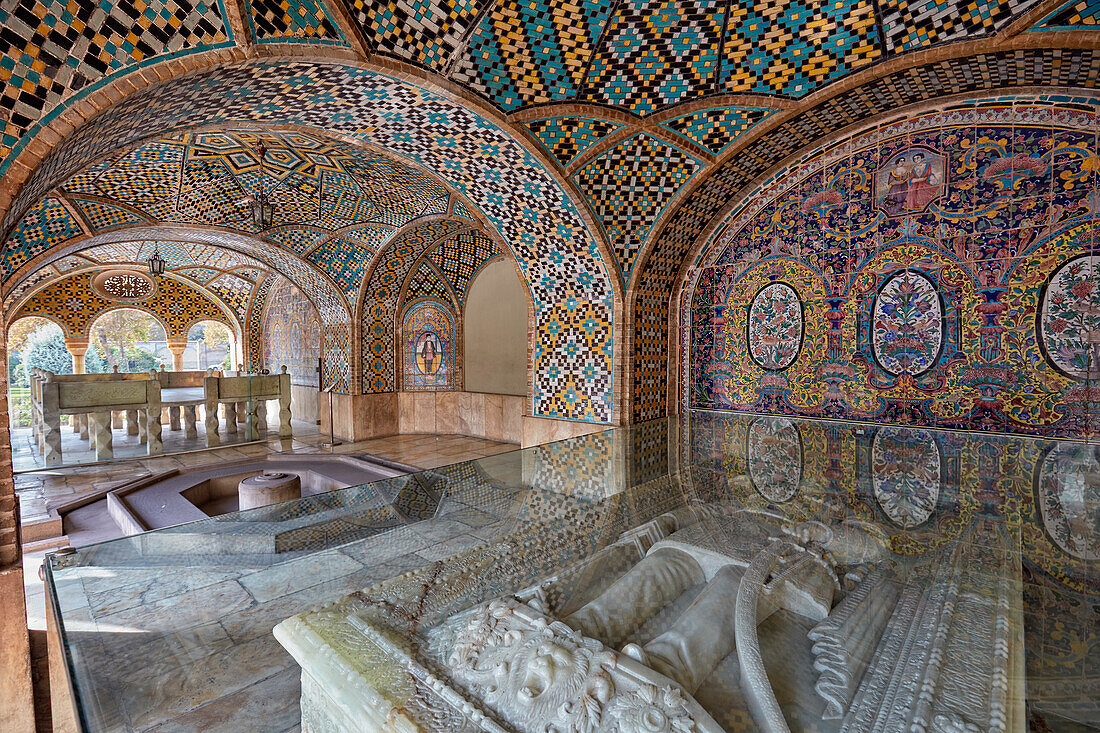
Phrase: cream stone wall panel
(495, 331)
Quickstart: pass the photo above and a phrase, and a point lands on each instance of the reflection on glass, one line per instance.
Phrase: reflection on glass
(775, 458)
(906, 475)
(719, 573)
(1068, 489)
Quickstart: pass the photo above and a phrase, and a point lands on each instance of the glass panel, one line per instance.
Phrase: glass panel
(842, 576)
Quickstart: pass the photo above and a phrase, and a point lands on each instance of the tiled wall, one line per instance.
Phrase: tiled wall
(943, 271)
(291, 334)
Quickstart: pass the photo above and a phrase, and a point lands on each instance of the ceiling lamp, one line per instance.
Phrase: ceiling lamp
(262, 210)
(156, 262)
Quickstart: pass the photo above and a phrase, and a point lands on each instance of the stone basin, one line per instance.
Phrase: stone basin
(185, 495)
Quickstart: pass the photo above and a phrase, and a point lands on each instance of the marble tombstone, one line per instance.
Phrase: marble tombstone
(706, 618)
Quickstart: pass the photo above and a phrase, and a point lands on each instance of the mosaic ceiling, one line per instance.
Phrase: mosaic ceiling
(643, 107)
(226, 275)
(640, 56)
(334, 203)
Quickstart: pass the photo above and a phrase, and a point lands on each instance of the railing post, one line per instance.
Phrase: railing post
(154, 445)
(210, 396)
(285, 430)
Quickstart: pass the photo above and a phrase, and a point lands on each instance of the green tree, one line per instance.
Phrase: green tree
(94, 363)
(46, 350)
(116, 333)
(17, 376)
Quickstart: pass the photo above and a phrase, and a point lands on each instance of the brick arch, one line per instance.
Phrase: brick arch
(532, 210)
(1008, 201)
(319, 288)
(382, 294)
(750, 162)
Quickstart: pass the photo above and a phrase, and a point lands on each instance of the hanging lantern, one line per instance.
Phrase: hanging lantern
(263, 213)
(156, 262)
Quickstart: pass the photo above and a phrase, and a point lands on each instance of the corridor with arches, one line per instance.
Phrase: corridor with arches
(679, 262)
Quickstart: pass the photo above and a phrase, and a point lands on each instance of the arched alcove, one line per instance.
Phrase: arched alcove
(291, 337)
(495, 331)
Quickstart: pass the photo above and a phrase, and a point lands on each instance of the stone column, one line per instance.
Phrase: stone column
(131, 422)
(285, 430)
(153, 444)
(78, 347)
(177, 346)
(51, 420)
(210, 408)
(174, 417)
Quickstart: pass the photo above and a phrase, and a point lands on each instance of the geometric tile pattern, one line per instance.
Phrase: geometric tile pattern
(426, 32)
(310, 180)
(249, 273)
(629, 185)
(567, 137)
(45, 225)
(50, 49)
(461, 210)
(372, 237)
(335, 350)
(293, 20)
(656, 53)
(70, 263)
(792, 46)
(1074, 13)
(297, 240)
(460, 257)
(910, 24)
(531, 52)
(509, 187)
(380, 300)
(233, 290)
(714, 129)
(571, 370)
(72, 303)
(427, 282)
(104, 216)
(344, 262)
(201, 275)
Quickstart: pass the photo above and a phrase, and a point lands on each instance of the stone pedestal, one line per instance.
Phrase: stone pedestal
(268, 488)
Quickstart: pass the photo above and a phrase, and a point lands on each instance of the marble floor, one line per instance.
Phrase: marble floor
(41, 491)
